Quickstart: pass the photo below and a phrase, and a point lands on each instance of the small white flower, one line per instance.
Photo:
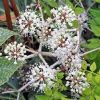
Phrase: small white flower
(42, 76)
(76, 81)
(28, 22)
(0, 54)
(64, 14)
(15, 51)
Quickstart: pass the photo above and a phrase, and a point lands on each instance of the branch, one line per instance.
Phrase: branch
(16, 12)
(19, 90)
(30, 56)
(50, 54)
(90, 7)
(46, 64)
(41, 11)
(72, 30)
(8, 16)
(90, 51)
(77, 3)
(18, 95)
(56, 63)
(32, 51)
(81, 4)
(78, 42)
(40, 47)
(6, 92)
(23, 87)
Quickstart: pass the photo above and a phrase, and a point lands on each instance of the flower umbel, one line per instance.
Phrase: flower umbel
(62, 39)
(41, 75)
(15, 51)
(77, 82)
(64, 15)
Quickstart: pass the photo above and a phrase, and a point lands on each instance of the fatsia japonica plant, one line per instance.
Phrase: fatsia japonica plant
(46, 56)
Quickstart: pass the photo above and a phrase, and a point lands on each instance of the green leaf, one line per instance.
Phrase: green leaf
(82, 98)
(79, 10)
(52, 3)
(98, 1)
(95, 12)
(93, 67)
(89, 77)
(42, 97)
(84, 65)
(60, 75)
(93, 43)
(75, 23)
(97, 97)
(97, 79)
(7, 69)
(95, 21)
(95, 29)
(91, 98)
(46, 8)
(97, 90)
(57, 95)
(48, 91)
(93, 55)
(97, 60)
(5, 34)
(63, 98)
(69, 3)
(87, 91)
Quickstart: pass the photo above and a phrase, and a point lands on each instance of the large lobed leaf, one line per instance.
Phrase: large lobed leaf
(7, 69)
(5, 34)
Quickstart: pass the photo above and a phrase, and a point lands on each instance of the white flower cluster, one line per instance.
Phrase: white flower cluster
(42, 76)
(15, 51)
(77, 81)
(28, 22)
(64, 15)
(58, 34)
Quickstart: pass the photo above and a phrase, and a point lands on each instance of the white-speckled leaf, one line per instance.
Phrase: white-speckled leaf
(7, 69)
(5, 34)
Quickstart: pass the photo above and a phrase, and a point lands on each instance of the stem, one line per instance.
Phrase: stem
(18, 95)
(50, 54)
(71, 30)
(90, 7)
(8, 16)
(41, 12)
(40, 47)
(6, 92)
(16, 12)
(46, 64)
(81, 4)
(23, 87)
(77, 3)
(19, 90)
(56, 63)
(90, 51)
(30, 56)
(78, 42)
(32, 51)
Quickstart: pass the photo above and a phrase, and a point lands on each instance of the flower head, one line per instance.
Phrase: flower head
(28, 22)
(15, 51)
(64, 14)
(41, 75)
(77, 81)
